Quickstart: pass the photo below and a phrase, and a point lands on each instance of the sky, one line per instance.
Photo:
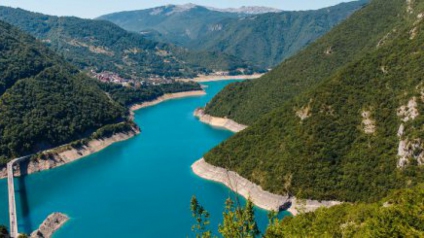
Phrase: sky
(95, 8)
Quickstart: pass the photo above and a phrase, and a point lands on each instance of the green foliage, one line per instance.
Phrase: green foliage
(267, 39)
(103, 46)
(129, 96)
(239, 221)
(3, 232)
(109, 130)
(179, 27)
(399, 215)
(246, 102)
(45, 102)
(328, 155)
(264, 39)
(202, 219)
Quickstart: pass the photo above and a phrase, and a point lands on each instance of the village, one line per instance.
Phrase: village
(111, 77)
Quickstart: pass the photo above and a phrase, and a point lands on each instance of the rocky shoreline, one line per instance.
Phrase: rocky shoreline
(211, 78)
(224, 123)
(166, 97)
(52, 223)
(255, 193)
(59, 156)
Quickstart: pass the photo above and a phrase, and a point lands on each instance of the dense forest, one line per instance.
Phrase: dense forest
(127, 96)
(360, 34)
(397, 215)
(44, 101)
(264, 39)
(356, 136)
(178, 24)
(103, 46)
(268, 39)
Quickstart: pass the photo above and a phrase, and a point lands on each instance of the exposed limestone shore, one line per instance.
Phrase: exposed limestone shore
(218, 121)
(53, 223)
(168, 96)
(255, 193)
(211, 78)
(60, 156)
(65, 156)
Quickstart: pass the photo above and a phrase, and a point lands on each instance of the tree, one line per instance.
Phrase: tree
(238, 221)
(202, 219)
(3, 232)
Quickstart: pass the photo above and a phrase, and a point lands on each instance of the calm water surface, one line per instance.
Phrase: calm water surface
(140, 187)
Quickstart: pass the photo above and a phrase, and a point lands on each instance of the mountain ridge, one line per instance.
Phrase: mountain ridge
(103, 46)
(347, 138)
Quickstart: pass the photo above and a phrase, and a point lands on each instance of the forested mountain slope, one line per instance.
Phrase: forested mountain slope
(178, 24)
(357, 36)
(398, 215)
(355, 136)
(101, 45)
(267, 39)
(44, 101)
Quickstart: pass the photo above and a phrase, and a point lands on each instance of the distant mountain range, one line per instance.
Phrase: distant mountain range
(259, 35)
(248, 10)
(101, 45)
(178, 24)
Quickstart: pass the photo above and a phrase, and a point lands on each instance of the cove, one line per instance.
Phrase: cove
(140, 187)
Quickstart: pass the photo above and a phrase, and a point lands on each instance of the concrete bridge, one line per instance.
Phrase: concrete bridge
(12, 201)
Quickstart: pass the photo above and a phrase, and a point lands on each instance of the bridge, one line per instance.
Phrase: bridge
(12, 201)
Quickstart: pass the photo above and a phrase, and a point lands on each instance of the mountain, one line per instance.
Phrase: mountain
(355, 132)
(103, 46)
(267, 39)
(398, 215)
(360, 34)
(264, 39)
(44, 101)
(178, 24)
(248, 10)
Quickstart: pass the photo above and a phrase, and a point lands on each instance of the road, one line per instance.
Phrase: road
(12, 201)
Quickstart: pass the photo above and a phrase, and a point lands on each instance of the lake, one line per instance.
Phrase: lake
(140, 187)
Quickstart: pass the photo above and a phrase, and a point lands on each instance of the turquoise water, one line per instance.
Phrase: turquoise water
(140, 187)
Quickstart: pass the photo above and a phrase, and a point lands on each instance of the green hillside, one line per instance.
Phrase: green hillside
(178, 24)
(45, 102)
(103, 46)
(267, 39)
(344, 139)
(398, 215)
(361, 33)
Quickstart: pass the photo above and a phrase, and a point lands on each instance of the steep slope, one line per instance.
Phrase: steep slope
(45, 102)
(176, 23)
(398, 215)
(361, 33)
(267, 39)
(103, 46)
(354, 137)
